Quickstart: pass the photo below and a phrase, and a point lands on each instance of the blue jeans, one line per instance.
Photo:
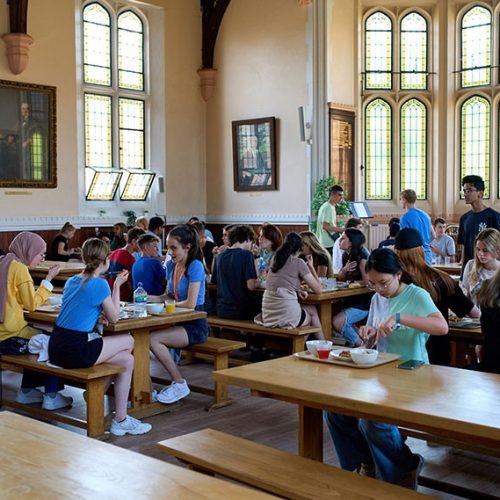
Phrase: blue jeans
(359, 441)
(352, 316)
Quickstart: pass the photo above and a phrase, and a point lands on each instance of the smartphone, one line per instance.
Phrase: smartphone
(411, 364)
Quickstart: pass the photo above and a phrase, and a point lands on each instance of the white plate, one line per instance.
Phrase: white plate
(336, 354)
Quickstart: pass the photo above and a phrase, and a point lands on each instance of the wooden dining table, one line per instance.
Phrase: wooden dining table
(460, 340)
(462, 405)
(66, 269)
(140, 328)
(325, 300)
(452, 268)
(43, 461)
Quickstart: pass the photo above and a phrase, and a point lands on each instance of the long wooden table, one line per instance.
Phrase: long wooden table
(460, 339)
(43, 461)
(67, 269)
(458, 404)
(325, 299)
(140, 328)
(452, 268)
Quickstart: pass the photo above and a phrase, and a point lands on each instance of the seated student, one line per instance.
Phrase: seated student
(270, 239)
(60, 245)
(337, 252)
(488, 298)
(485, 262)
(155, 228)
(148, 270)
(321, 257)
(235, 275)
(142, 223)
(17, 293)
(208, 233)
(389, 242)
(119, 239)
(122, 259)
(74, 343)
(406, 316)
(225, 243)
(354, 263)
(206, 245)
(280, 303)
(445, 292)
(442, 245)
(186, 283)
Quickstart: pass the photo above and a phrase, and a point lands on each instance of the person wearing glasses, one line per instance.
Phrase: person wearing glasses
(475, 220)
(402, 315)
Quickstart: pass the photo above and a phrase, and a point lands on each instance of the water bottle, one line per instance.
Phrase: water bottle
(140, 301)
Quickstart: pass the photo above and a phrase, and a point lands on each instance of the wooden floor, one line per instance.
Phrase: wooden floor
(275, 424)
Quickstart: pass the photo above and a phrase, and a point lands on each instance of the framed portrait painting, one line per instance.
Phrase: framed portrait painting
(254, 155)
(27, 135)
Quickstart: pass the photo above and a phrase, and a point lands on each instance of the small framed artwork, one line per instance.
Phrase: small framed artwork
(254, 155)
(27, 135)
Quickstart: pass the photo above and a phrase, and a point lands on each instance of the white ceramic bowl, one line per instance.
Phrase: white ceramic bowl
(313, 344)
(155, 308)
(362, 356)
(55, 300)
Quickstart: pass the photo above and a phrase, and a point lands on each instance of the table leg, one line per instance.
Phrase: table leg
(141, 379)
(325, 316)
(311, 433)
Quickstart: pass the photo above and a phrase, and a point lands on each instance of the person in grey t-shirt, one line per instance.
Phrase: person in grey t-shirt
(442, 245)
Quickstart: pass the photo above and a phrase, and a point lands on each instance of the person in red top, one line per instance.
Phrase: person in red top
(121, 259)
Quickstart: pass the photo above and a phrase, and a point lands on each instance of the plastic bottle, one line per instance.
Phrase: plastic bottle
(140, 301)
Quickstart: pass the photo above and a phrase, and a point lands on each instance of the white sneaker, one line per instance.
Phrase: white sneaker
(57, 402)
(154, 396)
(174, 392)
(129, 426)
(30, 397)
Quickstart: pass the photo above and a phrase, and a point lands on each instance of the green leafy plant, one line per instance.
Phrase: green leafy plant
(130, 214)
(321, 194)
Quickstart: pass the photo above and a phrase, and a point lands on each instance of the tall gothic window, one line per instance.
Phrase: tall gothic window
(414, 46)
(378, 51)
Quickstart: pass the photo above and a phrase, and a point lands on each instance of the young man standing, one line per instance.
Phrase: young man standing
(416, 219)
(148, 270)
(479, 218)
(326, 227)
(442, 245)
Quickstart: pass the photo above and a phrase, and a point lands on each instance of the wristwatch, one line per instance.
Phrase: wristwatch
(398, 321)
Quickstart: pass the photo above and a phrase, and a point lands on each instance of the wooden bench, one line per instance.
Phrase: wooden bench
(275, 471)
(219, 350)
(93, 379)
(297, 335)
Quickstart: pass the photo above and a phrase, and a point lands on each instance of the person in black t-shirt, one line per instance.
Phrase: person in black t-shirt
(60, 244)
(445, 292)
(479, 218)
(235, 276)
(389, 242)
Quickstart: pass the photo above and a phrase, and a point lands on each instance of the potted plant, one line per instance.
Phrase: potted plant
(321, 194)
(130, 214)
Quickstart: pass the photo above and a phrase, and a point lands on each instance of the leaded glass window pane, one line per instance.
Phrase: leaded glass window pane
(137, 185)
(102, 182)
(414, 147)
(131, 133)
(414, 52)
(378, 51)
(476, 47)
(130, 51)
(98, 131)
(378, 123)
(475, 139)
(96, 45)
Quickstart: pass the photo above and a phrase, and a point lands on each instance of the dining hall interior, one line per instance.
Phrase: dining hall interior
(156, 108)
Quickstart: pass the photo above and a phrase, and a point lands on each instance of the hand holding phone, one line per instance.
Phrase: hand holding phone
(411, 364)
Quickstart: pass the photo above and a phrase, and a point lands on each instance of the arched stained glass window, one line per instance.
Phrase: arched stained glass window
(414, 39)
(96, 45)
(130, 51)
(378, 147)
(378, 51)
(414, 147)
(476, 47)
(475, 139)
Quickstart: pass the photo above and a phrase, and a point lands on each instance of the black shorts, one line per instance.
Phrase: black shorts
(72, 349)
(302, 317)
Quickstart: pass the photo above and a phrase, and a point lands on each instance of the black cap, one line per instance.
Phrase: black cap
(408, 238)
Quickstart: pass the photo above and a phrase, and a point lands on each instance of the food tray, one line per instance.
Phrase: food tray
(382, 359)
(465, 323)
(177, 310)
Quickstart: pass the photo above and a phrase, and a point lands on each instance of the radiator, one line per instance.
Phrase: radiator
(376, 234)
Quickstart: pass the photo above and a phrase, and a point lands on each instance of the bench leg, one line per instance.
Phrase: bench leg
(221, 362)
(95, 408)
(298, 344)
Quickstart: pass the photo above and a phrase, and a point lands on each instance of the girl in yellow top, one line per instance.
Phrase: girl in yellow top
(17, 293)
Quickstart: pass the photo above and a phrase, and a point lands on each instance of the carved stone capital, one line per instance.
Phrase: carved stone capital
(17, 51)
(208, 79)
